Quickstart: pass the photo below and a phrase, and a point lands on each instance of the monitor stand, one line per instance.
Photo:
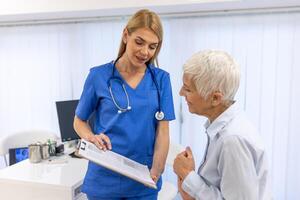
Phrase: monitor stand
(71, 148)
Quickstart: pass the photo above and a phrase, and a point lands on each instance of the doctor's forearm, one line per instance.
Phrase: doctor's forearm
(82, 128)
(161, 146)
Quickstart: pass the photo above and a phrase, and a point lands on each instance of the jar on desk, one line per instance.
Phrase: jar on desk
(35, 153)
(45, 151)
(39, 151)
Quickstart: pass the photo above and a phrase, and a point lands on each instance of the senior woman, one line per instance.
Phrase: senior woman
(235, 164)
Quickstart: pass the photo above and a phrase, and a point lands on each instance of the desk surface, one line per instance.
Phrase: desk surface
(66, 173)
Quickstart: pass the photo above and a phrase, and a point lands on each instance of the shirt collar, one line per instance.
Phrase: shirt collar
(221, 121)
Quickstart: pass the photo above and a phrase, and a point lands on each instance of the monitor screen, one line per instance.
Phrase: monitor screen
(66, 113)
(17, 155)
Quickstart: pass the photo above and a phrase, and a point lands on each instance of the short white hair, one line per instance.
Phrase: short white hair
(214, 71)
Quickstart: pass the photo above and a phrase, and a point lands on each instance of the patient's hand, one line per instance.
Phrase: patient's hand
(184, 163)
(184, 195)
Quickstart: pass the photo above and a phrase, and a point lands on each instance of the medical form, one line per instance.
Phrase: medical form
(117, 163)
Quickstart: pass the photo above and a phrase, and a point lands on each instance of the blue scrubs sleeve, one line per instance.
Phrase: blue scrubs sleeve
(167, 105)
(88, 100)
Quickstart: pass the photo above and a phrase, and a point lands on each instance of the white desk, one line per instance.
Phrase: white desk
(43, 181)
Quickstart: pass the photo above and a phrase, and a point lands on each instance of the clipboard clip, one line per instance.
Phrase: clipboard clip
(82, 145)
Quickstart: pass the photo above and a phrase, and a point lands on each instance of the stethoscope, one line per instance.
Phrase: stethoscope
(159, 115)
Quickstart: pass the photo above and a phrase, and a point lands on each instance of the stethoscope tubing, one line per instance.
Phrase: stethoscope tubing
(120, 109)
(159, 114)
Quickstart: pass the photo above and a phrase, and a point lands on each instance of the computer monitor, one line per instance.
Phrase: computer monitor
(66, 113)
(17, 154)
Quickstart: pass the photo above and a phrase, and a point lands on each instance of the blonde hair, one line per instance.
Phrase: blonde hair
(144, 19)
(214, 71)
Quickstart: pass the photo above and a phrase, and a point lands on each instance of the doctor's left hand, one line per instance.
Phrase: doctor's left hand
(155, 175)
(102, 141)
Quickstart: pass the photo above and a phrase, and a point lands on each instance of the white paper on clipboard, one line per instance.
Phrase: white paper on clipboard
(117, 163)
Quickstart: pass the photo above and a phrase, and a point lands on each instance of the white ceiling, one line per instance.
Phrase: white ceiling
(23, 11)
(33, 6)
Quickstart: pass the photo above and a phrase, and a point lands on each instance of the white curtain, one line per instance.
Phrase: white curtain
(45, 63)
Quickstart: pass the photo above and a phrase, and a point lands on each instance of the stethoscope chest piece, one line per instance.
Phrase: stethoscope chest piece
(124, 110)
(159, 115)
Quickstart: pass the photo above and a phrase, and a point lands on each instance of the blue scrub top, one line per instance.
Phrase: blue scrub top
(132, 133)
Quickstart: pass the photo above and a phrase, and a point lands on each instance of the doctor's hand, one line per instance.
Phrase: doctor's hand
(155, 175)
(184, 163)
(102, 141)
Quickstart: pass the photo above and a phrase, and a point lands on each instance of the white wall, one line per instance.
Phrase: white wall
(42, 64)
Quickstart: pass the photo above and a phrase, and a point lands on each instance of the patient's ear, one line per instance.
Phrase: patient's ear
(216, 98)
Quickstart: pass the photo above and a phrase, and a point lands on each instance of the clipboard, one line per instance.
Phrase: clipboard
(116, 163)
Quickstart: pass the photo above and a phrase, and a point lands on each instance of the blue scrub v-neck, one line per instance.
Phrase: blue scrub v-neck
(126, 83)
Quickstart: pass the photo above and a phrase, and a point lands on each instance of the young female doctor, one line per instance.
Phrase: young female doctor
(132, 101)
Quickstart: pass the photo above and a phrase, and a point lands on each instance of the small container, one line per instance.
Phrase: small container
(52, 148)
(35, 153)
(45, 151)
